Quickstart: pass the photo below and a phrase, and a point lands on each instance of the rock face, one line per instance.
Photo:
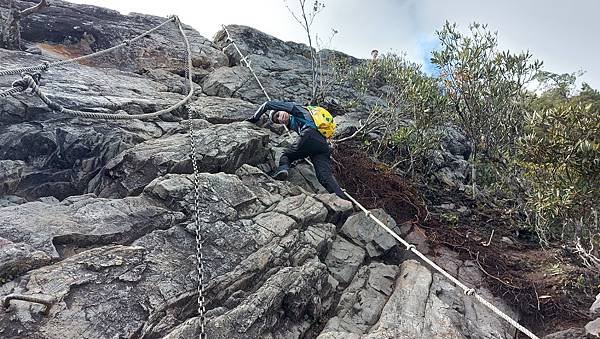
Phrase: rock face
(592, 329)
(99, 215)
(595, 309)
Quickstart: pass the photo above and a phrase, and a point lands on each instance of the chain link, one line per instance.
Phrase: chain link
(196, 207)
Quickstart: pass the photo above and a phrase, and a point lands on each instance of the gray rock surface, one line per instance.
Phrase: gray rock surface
(364, 231)
(426, 306)
(61, 154)
(361, 303)
(339, 209)
(99, 215)
(344, 259)
(595, 309)
(43, 230)
(83, 29)
(592, 329)
(218, 148)
(571, 333)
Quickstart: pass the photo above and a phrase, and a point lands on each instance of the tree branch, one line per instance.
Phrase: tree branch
(34, 9)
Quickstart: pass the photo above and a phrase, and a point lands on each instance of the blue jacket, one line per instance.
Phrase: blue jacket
(300, 118)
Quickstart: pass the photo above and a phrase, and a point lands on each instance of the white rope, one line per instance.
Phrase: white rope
(60, 109)
(45, 65)
(247, 64)
(245, 60)
(468, 291)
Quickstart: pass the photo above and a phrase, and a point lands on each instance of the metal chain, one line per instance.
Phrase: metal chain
(468, 291)
(60, 109)
(196, 206)
(45, 65)
(199, 257)
(31, 82)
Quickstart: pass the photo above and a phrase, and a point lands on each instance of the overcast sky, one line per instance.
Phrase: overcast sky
(564, 34)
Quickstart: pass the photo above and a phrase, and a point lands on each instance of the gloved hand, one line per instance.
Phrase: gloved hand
(253, 120)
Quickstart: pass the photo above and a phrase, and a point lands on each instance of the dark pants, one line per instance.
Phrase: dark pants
(314, 145)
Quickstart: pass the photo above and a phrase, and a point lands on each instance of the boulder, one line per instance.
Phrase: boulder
(42, 230)
(425, 305)
(344, 259)
(218, 148)
(592, 329)
(367, 233)
(361, 303)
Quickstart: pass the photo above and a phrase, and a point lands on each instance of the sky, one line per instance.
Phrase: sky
(564, 34)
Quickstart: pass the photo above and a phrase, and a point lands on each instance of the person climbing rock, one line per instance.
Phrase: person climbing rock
(312, 143)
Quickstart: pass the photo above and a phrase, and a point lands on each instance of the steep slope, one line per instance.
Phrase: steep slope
(98, 215)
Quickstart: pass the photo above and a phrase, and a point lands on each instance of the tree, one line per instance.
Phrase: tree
(10, 29)
(415, 106)
(487, 88)
(560, 156)
(306, 18)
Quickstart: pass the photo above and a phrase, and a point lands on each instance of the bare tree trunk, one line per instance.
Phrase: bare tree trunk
(312, 53)
(10, 29)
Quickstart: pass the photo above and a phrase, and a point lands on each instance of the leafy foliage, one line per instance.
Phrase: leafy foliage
(415, 104)
(542, 150)
(560, 155)
(485, 86)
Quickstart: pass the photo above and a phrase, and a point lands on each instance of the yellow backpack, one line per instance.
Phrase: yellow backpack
(323, 120)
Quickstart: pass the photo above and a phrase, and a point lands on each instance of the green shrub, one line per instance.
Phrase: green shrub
(560, 156)
(414, 105)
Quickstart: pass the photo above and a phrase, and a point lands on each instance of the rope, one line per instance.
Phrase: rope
(17, 87)
(410, 247)
(246, 62)
(45, 65)
(33, 83)
(468, 291)
(11, 91)
(31, 80)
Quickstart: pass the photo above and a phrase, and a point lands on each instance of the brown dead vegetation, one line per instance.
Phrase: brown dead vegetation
(548, 286)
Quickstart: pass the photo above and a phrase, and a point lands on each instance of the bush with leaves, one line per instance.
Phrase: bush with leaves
(414, 105)
(560, 155)
(487, 89)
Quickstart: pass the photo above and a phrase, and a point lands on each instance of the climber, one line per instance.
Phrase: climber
(311, 143)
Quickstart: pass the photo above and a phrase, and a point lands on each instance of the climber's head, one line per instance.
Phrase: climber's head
(281, 117)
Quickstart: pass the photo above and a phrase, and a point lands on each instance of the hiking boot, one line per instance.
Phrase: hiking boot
(280, 174)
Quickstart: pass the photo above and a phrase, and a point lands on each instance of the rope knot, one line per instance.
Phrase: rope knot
(174, 18)
(410, 247)
(29, 80)
(45, 65)
(23, 84)
(55, 107)
(470, 292)
(126, 42)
